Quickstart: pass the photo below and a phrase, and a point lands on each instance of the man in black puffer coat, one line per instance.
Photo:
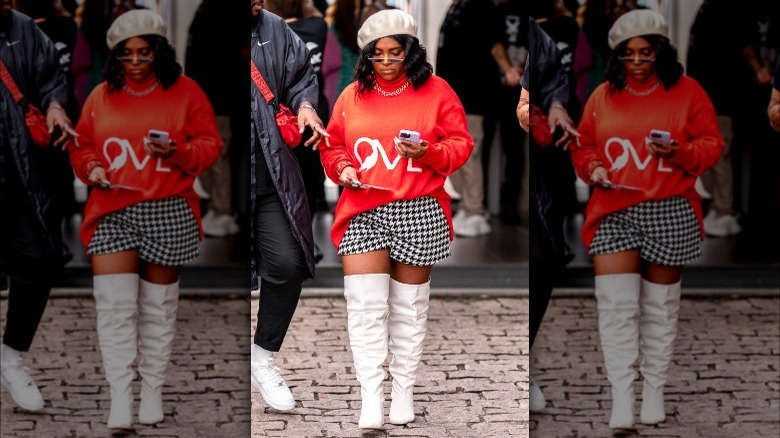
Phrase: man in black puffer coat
(30, 236)
(283, 246)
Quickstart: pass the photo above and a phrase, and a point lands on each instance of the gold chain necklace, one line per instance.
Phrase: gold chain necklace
(633, 92)
(391, 93)
(134, 93)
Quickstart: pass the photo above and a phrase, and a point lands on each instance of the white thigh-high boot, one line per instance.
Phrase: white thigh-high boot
(660, 305)
(618, 305)
(407, 324)
(116, 305)
(367, 323)
(157, 304)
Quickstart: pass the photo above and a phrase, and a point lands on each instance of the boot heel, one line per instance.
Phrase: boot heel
(121, 415)
(402, 406)
(371, 413)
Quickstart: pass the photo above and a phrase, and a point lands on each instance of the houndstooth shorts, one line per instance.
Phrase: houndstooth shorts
(665, 232)
(415, 230)
(165, 232)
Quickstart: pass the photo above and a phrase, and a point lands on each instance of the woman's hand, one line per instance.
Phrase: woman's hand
(97, 176)
(156, 149)
(408, 149)
(663, 150)
(348, 175)
(599, 175)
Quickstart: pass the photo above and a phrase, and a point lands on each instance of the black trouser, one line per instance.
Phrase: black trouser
(29, 262)
(540, 288)
(282, 271)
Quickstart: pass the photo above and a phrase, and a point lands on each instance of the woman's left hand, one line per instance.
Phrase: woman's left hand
(663, 150)
(156, 149)
(411, 150)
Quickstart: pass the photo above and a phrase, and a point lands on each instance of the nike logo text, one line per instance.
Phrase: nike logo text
(258, 43)
(10, 43)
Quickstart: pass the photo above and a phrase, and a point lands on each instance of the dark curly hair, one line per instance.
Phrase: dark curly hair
(667, 66)
(416, 64)
(165, 66)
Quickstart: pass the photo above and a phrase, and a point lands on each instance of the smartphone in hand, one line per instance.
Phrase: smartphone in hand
(158, 136)
(412, 136)
(660, 136)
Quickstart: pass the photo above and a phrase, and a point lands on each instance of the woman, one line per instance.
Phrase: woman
(390, 238)
(643, 221)
(142, 218)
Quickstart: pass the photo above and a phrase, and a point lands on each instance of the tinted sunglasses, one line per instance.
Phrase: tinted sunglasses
(639, 59)
(134, 59)
(390, 60)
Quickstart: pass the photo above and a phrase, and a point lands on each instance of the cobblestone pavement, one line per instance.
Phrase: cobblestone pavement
(724, 380)
(473, 380)
(206, 392)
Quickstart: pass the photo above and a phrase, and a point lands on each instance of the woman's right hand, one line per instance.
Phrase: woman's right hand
(599, 175)
(97, 176)
(348, 175)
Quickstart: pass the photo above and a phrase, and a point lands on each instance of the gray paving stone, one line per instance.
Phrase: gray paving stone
(469, 382)
(724, 379)
(206, 392)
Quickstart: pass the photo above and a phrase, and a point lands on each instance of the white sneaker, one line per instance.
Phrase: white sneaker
(15, 378)
(536, 401)
(219, 225)
(472, 226)
(721, 225)
(266, 378)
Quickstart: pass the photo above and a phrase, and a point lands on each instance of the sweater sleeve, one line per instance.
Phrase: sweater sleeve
(704, 144)
(586, 153)
(455, 144)
(337, 152)
(85, 153)
(202, 145)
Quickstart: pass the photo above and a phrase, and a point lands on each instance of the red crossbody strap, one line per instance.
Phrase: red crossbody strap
(260, 82)
(9, 82)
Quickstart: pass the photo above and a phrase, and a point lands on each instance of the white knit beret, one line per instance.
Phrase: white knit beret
(637, 23)
(385, 23)
(134, 23)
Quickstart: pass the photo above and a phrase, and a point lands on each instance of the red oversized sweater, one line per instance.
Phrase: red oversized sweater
(111, 132)
(362, 129)
(614, 127)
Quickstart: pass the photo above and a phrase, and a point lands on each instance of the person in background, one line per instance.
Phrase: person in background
(545, 86)
(282, 240)
(30, 225)
(142, 218)
(314, 32)
(464, 31)
(643, 220)
(715, 58)
(214, 61)
(53, 20)
(513, 47)
(392, 230)
(93, 18)
(341, 17)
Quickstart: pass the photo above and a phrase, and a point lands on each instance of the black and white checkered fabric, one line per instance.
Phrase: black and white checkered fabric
(665, 232)
(165, 232)
(415, 230)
